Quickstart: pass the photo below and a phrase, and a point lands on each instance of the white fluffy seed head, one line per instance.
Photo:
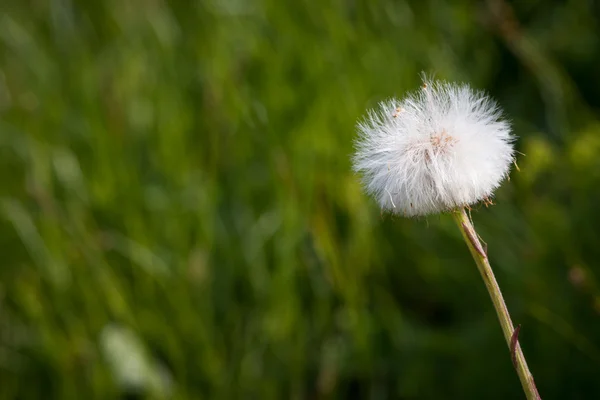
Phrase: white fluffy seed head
(441, 147)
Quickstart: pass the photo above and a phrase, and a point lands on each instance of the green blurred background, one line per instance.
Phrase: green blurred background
(179, 219)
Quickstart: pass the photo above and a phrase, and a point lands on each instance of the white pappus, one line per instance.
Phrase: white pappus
(441, 147)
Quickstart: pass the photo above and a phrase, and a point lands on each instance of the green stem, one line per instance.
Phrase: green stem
(480, 256)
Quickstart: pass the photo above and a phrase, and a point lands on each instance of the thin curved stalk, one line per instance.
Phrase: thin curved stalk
(510, 334)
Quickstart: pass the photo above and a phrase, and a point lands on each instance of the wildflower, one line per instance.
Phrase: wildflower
(442, 147)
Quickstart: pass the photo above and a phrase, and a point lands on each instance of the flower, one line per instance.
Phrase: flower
(441, 147)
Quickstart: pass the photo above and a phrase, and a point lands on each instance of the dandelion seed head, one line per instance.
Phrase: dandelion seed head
(441, 147)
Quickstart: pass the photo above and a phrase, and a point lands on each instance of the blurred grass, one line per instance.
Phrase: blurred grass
(179, 218)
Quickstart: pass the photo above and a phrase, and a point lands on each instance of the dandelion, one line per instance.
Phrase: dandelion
(442, 148)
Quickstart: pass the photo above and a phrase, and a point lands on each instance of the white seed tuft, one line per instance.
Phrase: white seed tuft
(441, 147)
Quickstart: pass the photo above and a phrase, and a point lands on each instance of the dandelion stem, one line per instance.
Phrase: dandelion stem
(480, 256)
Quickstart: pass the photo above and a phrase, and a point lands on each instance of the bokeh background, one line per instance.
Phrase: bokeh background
(179, 219)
